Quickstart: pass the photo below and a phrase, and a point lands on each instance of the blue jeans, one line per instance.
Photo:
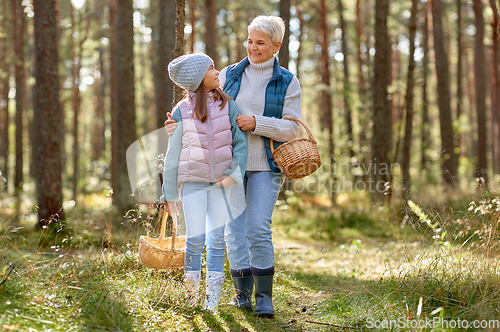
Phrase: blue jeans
(249, 236)
(205, 213)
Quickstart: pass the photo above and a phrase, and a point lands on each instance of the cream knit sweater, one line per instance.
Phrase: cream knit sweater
(251, 101)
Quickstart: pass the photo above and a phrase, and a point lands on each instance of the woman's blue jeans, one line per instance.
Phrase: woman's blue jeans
(249, 236)
(205, 213)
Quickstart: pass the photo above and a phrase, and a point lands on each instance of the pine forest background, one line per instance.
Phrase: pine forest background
(412, 86)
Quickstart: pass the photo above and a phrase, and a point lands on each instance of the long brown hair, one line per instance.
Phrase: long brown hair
(200, 106)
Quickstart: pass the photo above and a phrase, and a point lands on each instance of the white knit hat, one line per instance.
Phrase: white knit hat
(188, 71)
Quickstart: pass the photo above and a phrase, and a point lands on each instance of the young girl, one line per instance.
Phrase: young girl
(207, 154)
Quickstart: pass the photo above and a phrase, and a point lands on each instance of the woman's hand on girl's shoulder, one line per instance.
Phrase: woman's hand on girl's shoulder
(170, 124)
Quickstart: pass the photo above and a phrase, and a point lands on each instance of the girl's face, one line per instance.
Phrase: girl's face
(211, 79)
(260, 48)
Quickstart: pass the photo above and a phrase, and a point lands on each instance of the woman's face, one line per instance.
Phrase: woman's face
(211, 79)
(260, 48)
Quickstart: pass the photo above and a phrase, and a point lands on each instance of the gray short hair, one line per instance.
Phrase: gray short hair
(273, 26)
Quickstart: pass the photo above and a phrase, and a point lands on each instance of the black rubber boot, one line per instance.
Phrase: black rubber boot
(263, 280)
(243, 286)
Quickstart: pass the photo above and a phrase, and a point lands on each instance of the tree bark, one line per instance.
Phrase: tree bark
(126, 101)
(98, 138)
(49, 113)
(75, 102)
(495, 105)
(284, 54)
(166, 45)
(180, 18)
(382, 123)
(425, 126)
(409, 102)
(481, 171)
(449, 164)
(300, 17)
(347, 84)
(18, 21)
(192, 20)
(459, 76)
(211, 30)
(4, 97)
(326, 98)
(113, 54)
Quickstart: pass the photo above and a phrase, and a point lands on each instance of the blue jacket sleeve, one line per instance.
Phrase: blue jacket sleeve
(240, 147)
(171, 165)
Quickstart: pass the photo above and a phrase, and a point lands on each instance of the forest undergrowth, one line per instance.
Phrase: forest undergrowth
(391, 267)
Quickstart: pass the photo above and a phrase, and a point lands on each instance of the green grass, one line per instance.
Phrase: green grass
(337, 269)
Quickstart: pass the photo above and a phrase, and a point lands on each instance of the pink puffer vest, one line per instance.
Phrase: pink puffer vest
(207, 149)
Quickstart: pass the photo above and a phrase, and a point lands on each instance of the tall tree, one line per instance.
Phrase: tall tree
(166, 45)
(4, 95)
(449, 164)
(425, 126)
(180, 19)
(409, 100)
(211, 30)
(192, 21)
(49, 114)
(126, 101)
(347, 84)
(459, 95)
(481, 171)
(326, 97)
(382, 123)
(495, 104)
(98, 141)
(300, 17)
(18, 22)
(113, 68)
(75, 99)
(284, 54)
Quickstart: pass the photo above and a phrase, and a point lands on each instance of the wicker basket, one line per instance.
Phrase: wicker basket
(164, 252)
(297, 158)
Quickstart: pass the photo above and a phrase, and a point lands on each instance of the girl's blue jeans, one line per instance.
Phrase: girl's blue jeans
(205, 213)
(249, 236)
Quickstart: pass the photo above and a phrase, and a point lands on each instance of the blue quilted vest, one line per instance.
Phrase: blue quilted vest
(275, 96)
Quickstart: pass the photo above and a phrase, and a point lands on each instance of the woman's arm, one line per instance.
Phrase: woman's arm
(240, 147)
(278, 129)
(171, 164)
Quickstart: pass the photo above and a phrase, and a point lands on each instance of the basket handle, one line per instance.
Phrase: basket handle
(296, 120)
(164, 226)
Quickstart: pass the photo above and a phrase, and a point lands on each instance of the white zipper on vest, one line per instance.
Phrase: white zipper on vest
(210, 144)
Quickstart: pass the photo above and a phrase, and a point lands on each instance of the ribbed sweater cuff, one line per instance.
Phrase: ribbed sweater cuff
(264, 126)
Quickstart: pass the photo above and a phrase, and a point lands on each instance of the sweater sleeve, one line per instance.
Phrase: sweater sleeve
(171, 164)
(278, 129)
(240, 147)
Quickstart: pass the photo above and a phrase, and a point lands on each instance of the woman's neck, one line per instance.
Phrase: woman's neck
(262, 68)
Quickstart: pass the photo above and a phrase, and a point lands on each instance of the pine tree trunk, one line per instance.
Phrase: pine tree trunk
(449, 164)
(98, 121)
(211, 31)
(192, 20)
(326, 106)
(481, 171)
(18, 20)
(113, 65)
(409, 102)
(382, 123)
(75, 103)
(126, 101)
(4, 97)
(284, 53)
(166, 44)
(300, 17)
(495, 105)
(49, 113)
(180, 17)
(347, 84)
(459, 76)
(425, 126)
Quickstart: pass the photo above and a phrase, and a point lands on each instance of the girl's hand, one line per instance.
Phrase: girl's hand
(225, 181)
(245, 122)
(171, 208)
(170, 125)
